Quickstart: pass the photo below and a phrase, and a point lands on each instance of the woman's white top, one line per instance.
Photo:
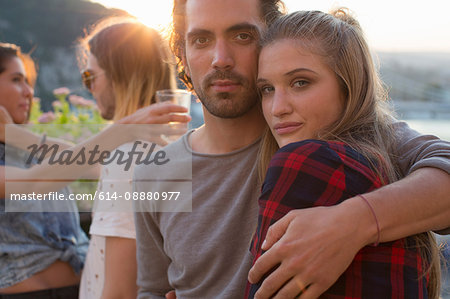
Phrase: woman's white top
(112, 217)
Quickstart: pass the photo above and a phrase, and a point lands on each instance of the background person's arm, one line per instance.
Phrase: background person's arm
(20, 137)
(120, 268)
(47, 176)
(54, 176)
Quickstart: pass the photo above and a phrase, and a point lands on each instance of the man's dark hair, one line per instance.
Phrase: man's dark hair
(270, 10)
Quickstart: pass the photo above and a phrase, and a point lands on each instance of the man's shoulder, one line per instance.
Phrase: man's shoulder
(165, 160)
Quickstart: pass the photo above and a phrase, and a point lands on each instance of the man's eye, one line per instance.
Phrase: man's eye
(201, 41)
(243, 37)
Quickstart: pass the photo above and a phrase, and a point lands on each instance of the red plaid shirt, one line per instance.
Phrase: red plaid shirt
(316, 173)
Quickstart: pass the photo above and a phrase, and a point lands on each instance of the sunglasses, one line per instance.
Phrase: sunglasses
(88, 78)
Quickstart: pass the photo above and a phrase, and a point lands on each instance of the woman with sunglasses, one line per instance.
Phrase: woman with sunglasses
(330, 138)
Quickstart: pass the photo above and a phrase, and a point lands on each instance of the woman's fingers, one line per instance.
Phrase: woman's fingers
(159, 141)
(179, 118)
(293, 289)
(270, 258)
(168, 118)
(312, 292)
(159, 113)
(163, 108)
(274, 281)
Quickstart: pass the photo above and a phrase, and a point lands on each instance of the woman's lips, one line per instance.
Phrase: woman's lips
(287, 127)
(25, 106)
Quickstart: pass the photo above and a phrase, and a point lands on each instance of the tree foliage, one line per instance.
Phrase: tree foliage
(48, 28)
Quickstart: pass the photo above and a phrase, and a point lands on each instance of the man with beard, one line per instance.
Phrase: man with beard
(205, 253)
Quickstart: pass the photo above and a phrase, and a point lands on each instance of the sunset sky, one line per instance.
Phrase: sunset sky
(390, 25)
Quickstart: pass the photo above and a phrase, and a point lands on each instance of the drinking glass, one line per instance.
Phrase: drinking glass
(179, 97)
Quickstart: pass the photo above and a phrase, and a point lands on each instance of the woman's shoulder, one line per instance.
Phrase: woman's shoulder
(324, 155)
(316, 165)
(330, 149)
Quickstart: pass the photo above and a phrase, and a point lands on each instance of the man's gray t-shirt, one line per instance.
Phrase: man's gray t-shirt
(205, 253)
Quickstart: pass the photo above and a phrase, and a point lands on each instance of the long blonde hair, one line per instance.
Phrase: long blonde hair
(136, 60)
(366, 121)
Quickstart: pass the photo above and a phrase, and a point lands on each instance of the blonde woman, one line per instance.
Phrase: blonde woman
(330, 138)
(127, 63)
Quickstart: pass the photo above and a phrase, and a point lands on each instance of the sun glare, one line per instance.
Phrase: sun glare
(153, 13)
(397, 29)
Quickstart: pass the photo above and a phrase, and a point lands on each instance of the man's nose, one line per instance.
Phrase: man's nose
(223, 57)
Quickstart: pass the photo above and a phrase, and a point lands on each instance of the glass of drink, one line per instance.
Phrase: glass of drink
(179, 97)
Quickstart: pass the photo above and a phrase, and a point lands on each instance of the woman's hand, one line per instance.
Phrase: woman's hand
(312, 247)
(159, 113)
(168, 121)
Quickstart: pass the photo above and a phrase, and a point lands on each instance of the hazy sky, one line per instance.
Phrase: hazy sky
(390, 25)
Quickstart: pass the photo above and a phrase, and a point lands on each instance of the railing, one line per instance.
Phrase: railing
(407, 109)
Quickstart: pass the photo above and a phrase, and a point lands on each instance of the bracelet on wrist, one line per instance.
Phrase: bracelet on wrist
(376, 219)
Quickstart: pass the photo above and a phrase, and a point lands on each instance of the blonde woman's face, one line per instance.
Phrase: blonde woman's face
(300, 93)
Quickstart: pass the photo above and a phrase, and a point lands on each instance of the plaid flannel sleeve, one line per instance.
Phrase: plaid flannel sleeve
(316, 173)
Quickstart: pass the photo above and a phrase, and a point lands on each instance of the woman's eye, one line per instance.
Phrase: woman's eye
(300, 83)
(266, 89)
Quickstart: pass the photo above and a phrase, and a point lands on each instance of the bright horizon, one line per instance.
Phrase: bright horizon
(392, 26)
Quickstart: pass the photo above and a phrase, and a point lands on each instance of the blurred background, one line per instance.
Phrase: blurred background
(410, 39)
